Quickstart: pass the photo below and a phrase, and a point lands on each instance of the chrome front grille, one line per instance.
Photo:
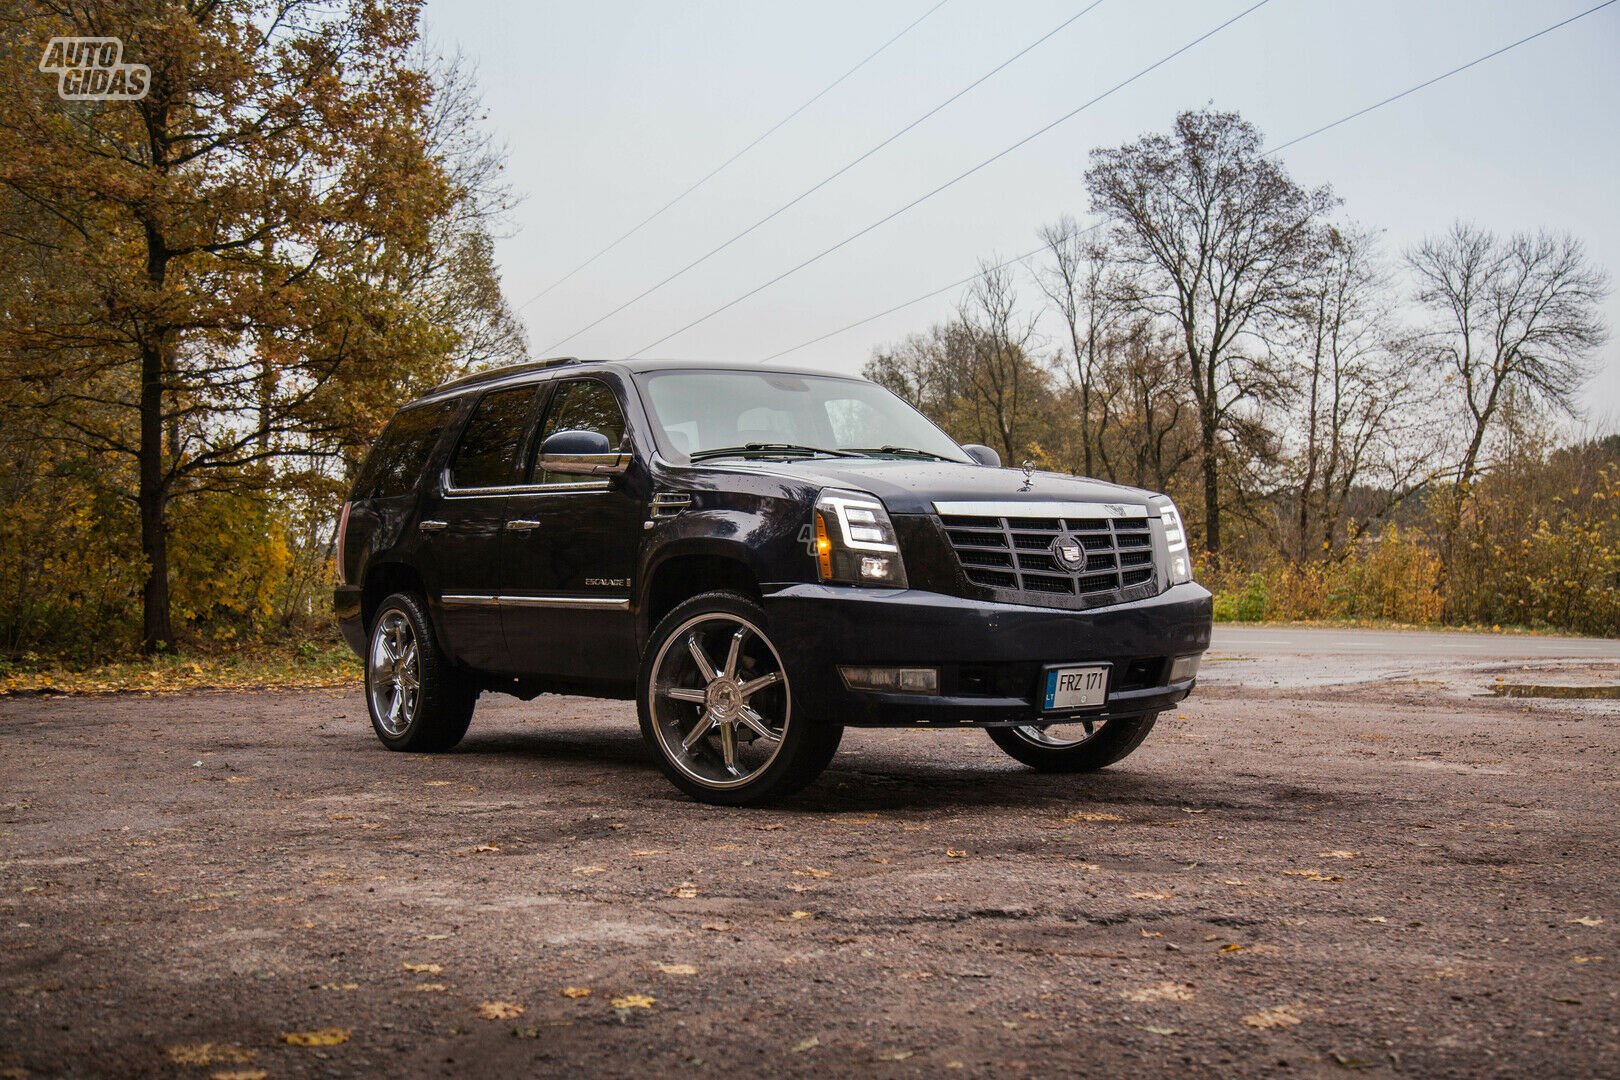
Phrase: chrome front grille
(1015, 557)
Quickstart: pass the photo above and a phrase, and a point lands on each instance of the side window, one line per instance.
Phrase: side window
(491, 448)
(583, 405)
(395, 463)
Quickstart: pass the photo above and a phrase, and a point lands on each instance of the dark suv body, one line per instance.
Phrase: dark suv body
(760, 558)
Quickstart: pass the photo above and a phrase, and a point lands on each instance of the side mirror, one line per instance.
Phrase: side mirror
(984, 455)
(581, 453)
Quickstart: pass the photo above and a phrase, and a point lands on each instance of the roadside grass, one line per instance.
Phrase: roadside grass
(1393, 624)
(280, 665)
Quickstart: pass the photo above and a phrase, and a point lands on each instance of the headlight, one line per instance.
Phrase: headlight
(1175, 540)
(855, 541)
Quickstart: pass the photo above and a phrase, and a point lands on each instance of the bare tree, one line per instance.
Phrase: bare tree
(1510, 316)
(1002, 381)
(1080, 281)
(1218, 235)
(1361, 426)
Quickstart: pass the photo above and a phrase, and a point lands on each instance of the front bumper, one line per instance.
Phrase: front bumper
(991, 656)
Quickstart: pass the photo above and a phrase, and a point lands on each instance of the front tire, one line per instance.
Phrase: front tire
(1063, 748)
(417, 701)
(718, 710)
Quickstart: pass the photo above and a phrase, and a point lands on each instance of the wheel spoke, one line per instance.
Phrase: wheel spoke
(756, 724)
(699, 729)
(754, 686)
(735, 652)
(685, 693)
(701, 658)
(728, 747)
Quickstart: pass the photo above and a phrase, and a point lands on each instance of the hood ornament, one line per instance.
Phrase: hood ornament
(1029, 475)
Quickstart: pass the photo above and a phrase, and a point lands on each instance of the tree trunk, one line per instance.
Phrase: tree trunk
(156, 631)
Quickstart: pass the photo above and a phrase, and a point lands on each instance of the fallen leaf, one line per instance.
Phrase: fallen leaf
(1232, 947)
(436, 783)
(1239, 884)
(333, 1036)
(1151, 1030)
(487, 847)
(684, 892)
(895, 1055)
(1589, 959)
(677, 969)
(340, 986)
(633, 1001)
(1165, 991)
(1280, 1016)
(582, 870)
(423, 969)
(1589, 920)
(799, 915)
(810, 871)
(1567, 1001)
(1151, 933)
(1088, 815)
(1189, 810)
(239, 779)
(1336, 854)
(208, 1054)
(500, 1010)
(952, 853)
(1151, 895)
(1376, 919)
(1313, 875)
(576, 991)
(649, 853)
(804, 1044)
(240, 1074)
(725, 847)
(1353, 1062)
(718, 927)
(868, 820)
(430, 988)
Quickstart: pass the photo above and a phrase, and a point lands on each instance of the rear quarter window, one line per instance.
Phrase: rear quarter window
(395, 463)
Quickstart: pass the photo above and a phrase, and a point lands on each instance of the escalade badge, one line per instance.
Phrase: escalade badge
(1069, 553)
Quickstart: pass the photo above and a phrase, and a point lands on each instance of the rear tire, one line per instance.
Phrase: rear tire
(417, 701)
(718, 710)
(1111, 742)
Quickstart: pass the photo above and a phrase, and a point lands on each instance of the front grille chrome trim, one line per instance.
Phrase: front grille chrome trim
(1014, 557)
(1021, 509)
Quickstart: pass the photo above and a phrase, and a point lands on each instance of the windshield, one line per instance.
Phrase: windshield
(700, 412)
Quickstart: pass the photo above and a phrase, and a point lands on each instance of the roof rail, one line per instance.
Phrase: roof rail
(509, 369)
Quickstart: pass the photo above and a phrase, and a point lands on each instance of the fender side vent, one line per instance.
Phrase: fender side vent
(666, 504)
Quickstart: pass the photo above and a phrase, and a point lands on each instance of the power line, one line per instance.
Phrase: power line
(1276, 149)
(718, 169)
(824, 182)
(958, 178)
(1439, 78)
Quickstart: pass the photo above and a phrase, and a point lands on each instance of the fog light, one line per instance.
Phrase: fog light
(905, 680)
(876, 568)
(1185, 667)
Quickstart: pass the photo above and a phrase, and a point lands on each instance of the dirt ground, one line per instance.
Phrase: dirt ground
(1292, 882)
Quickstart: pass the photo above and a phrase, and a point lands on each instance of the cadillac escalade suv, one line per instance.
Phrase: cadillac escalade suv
(760, 558)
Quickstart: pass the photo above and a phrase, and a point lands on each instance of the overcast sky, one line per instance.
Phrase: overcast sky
(610, 109)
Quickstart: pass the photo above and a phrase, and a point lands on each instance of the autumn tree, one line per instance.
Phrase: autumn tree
(247, 258)
(1081, 283)
(1001, 380)
(1217, 235)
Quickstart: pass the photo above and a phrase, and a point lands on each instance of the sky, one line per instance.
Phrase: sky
(609, 110)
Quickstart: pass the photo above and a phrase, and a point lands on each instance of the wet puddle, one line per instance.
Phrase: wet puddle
(1538, 690)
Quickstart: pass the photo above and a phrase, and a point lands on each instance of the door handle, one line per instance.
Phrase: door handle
(432, 526)
(522, 525)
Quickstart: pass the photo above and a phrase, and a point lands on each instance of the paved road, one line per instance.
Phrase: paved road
(1458, 664)
(1283, 881)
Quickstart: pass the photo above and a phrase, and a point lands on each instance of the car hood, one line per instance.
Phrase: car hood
(912, 487)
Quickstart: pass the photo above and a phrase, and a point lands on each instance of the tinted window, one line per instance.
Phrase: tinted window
(491, 447)
(396, 461)
(583, 405)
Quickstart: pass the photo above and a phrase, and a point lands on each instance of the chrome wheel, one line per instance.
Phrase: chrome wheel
(394, 673)
(1063, 735)
(720, 703)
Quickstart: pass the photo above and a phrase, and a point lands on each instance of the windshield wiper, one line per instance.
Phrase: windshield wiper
(904, 450)
(768, 448)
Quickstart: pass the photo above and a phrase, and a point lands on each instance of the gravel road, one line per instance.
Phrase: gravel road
(1396, 876)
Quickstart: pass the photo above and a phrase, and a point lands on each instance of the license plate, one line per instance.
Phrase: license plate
(1076, 687)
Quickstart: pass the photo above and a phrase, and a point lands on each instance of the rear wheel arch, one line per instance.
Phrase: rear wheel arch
(381, 582)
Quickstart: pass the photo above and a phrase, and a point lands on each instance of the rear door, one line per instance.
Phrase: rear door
(466, 521)
(571, 561)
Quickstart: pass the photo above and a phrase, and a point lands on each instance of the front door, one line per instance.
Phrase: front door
(572, 557)
(466, 525)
